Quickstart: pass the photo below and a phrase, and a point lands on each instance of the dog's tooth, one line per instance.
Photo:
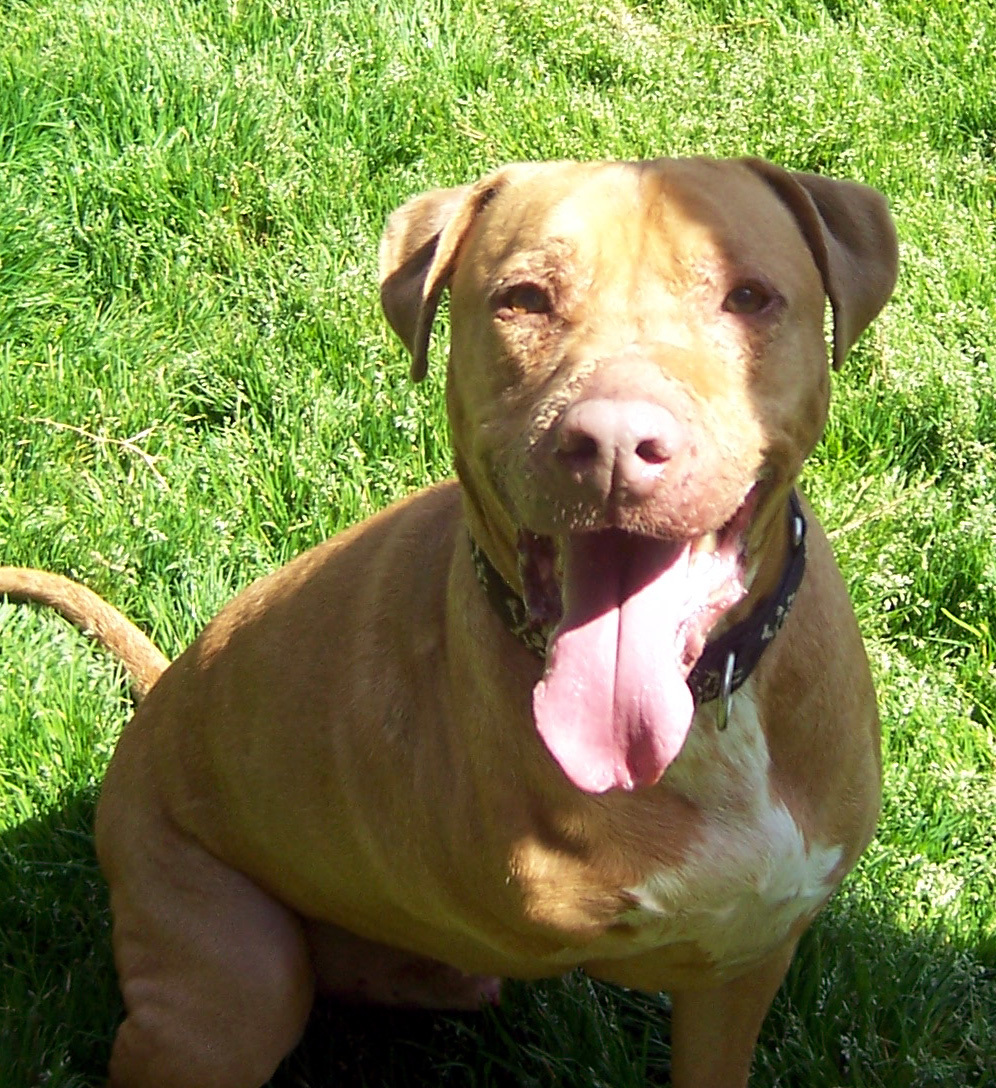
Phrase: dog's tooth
(708, 542)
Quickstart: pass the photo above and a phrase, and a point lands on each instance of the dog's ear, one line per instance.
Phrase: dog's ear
(418, 253)
(853, 241)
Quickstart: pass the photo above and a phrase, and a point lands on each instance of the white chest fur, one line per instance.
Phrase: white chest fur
(751, 875)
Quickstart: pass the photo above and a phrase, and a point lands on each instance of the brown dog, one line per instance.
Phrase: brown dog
(537, 719)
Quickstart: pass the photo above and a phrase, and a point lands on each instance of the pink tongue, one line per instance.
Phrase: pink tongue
(613, 707)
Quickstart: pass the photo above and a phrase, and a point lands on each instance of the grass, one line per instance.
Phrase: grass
(196, 384)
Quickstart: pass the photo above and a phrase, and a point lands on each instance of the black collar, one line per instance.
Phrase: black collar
(725, 663)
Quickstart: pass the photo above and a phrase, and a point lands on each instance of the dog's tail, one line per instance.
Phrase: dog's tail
(93, 616)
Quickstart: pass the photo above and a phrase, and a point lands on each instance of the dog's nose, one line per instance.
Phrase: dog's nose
(620, 447)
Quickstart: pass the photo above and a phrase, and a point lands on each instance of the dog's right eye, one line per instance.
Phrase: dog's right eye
(525, 298)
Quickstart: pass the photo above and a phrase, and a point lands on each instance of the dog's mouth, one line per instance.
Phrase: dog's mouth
(628, 616)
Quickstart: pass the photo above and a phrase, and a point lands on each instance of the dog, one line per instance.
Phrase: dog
(601, 702)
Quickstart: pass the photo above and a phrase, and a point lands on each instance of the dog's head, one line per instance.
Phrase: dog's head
(638, 369)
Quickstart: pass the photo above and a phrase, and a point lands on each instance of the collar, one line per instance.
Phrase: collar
(725, 664)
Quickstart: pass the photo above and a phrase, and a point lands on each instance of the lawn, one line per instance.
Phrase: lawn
(196, 384)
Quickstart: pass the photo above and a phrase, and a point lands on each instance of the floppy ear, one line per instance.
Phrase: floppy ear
(853, 241)
(418, 252)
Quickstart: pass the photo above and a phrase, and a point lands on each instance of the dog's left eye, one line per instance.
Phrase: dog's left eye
(747, 298)
(525, 298)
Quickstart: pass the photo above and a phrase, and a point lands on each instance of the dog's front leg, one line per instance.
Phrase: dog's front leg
(713, 1031)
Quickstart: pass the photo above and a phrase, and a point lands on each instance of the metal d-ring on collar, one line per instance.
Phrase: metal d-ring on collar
(725, 664)
(726, 691)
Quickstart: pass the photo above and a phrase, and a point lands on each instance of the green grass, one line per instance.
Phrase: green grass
(196, 384)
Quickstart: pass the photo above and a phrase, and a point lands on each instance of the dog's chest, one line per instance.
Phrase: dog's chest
(745, 874)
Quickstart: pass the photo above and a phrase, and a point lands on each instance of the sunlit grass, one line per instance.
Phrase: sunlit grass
(196, 384)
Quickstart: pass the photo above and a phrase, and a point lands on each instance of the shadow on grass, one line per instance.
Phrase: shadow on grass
(58, 997)
(864, 1004)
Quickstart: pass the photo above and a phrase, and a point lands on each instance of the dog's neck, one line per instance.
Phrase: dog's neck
(725, 663)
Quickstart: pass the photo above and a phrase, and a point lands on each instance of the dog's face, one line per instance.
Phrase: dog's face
(638, 370)
(635, 283)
